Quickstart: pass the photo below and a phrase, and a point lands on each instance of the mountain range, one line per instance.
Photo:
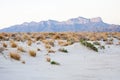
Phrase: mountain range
(78, 24)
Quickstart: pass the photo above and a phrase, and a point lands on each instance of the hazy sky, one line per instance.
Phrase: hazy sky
(18, 11)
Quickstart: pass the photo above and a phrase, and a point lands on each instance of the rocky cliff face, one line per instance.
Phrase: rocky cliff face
(74, 24)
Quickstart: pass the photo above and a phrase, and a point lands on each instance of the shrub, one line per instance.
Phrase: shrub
(4, 45)
(15, 56)
(89, 45)
(47, 46)
(96, 43)
(50, 51)
(13, 45)
(29, 42)
(38, 49)
(63, 50)
(54, 63)
(32, 53)
(109, 42)
(1, 49)
(21, 49)
(102, 47)
(48, 59)
(62, 43)
(23, 62)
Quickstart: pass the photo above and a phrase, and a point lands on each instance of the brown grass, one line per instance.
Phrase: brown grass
(47, 46)
(50, 51)
(32, 53)
(15, 56)
(4, 45)
(13, 44)
(20, 49)
(29, 42)
(38, 49)
(23, 62)
(62, 43)
(48, 59)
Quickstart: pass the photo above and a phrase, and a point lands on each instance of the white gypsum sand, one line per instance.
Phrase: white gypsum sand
(80, 63)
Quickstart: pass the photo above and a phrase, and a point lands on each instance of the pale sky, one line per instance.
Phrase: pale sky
(14, 12)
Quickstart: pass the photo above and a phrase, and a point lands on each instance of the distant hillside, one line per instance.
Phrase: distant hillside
(74, 24)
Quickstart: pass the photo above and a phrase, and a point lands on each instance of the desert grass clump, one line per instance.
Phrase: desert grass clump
(48, 59)
(63, 50)
(109, 42)
(62, 43)
(50, 51)
(20, 49)
(29, 42)
(1, 37)
(54, 63)
(47, 46)
(4, 45)
(38, 49)
(102, 47)
(48, 42)
(15, 56)
(56, 36)
(32, 53)
(23, 62)
(13, 44)
(96, 43)
(89, 45)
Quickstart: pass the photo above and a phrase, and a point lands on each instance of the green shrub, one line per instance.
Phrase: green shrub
(54, 63)
(102, 47)
(96, 43)
(89, 45)
(63, 50)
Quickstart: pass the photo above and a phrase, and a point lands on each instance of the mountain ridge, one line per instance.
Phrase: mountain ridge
(78, 24)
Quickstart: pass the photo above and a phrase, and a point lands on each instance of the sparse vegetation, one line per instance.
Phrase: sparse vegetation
(4, 45)
(50, 51)
(63, 50)
(38, 49)
(89, 45)
(20, 49)
(54, 63)
(32, 53)
(96, 43)
(13, 44)
(47, 46)
(29, 42)
(48, 59)
(23, 62)
(102, 47)
(15, 56)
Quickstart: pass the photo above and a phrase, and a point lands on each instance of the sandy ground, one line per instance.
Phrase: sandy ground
(79, 63)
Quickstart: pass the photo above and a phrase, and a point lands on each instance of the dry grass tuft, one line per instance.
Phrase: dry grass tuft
(48, 59)
(29, 42)
(15, 56)
(13, 44)
(4, 45)
(32, 53)
(20, 49)
(47, 46)
(38, 49)
(23, 62)
(50, 51)
(62, 43)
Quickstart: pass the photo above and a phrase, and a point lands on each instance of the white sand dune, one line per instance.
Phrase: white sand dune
(80, 63)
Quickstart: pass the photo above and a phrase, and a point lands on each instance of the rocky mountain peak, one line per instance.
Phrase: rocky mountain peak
(97, 19)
